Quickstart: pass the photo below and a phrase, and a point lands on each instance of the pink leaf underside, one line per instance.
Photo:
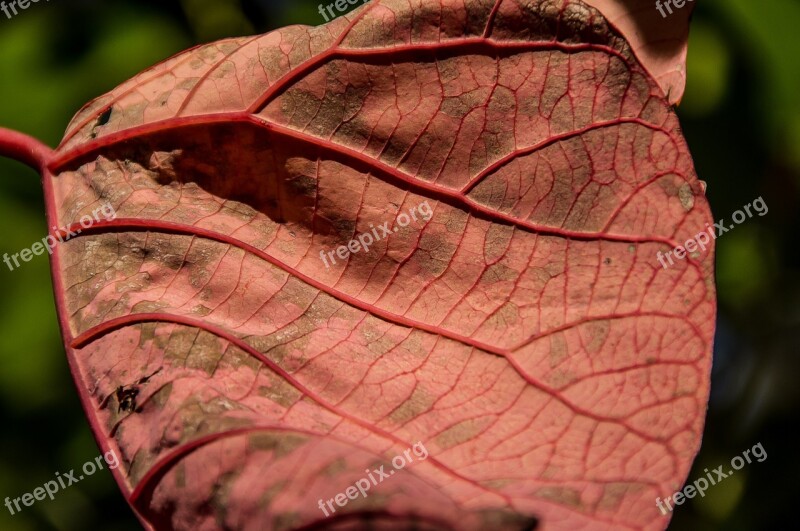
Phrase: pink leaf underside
(524, 332)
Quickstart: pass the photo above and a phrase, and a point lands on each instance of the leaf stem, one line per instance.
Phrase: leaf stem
(25, 149)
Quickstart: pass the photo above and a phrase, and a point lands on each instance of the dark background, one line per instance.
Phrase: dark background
(741, 116)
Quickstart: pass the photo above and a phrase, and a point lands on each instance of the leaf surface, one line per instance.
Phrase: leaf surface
(524, 332)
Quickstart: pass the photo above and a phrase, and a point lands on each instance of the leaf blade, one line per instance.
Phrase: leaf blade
(540, 290)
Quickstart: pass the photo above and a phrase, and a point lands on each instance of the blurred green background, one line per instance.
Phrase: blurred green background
(741, 116)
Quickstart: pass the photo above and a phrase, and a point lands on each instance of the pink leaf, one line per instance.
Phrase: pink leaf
(523, 333)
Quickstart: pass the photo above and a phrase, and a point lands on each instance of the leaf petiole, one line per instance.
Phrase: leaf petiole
(25, 149)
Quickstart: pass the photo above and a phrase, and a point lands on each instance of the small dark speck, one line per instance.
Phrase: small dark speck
(607, 261)
(104, 118)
